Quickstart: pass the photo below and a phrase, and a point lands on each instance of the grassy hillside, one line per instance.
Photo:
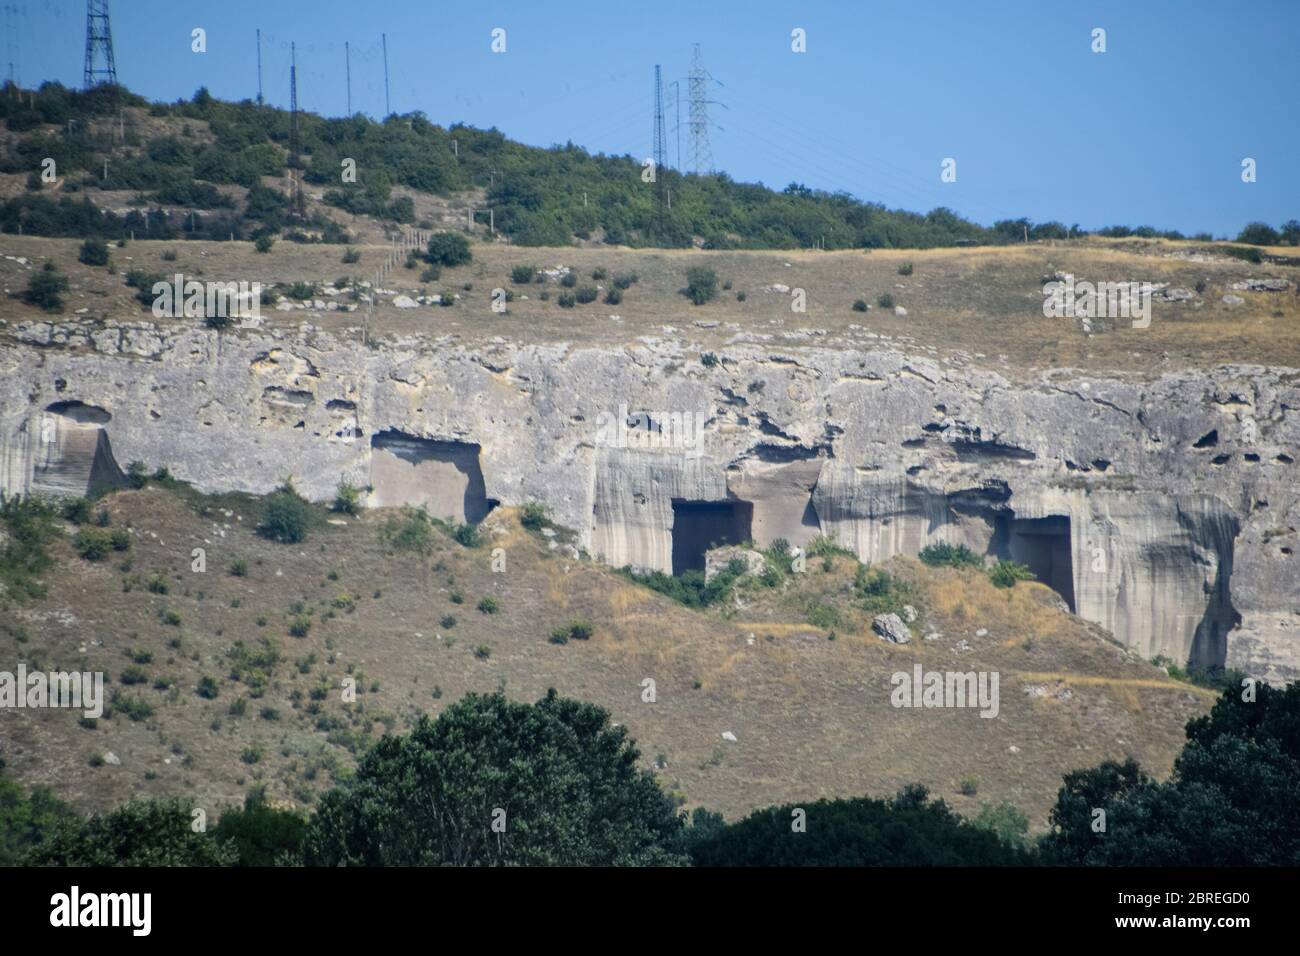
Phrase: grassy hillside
(232, 677)
(982, 306)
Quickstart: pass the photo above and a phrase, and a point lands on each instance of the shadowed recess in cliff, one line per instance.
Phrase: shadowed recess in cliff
(701, 525)
(72, 454)
(1042, 545)
(443, 476)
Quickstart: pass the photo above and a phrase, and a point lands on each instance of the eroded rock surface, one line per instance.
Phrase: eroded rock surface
(1164, 510)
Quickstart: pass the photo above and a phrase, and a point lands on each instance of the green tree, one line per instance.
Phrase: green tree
(1231, 800)
(139, 833)
(45, 289)
(27, 820)
(1259, 234)
(449, 249)
(94, 252)
(909, 830)
(260, 834)
(566, 780)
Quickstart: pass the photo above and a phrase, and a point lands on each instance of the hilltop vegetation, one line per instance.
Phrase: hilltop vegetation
(183, 154)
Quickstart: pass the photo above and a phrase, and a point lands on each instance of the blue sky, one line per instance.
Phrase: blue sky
(1153, 131)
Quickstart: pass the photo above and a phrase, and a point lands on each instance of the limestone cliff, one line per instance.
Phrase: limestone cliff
(1164, 510)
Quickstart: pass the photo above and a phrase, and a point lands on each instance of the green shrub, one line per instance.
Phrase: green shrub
(488, 605)
(566, 300)
(264, 243)
(569, 280)
(859, 305)
(299, 625)
(905, 269)
(431, 274)
(880, 592)
(585, 295)
(207, 688)
(239, 568)
(533, 516)
(448, 621)
(708, 360)
(1005, 574)
(482, 652)
(135, 708)
(157, 584)
(701, 284)
(76, 510)
(613, 297)
(45, 288)
(449, 249)
(599, 274)
(411, 530)
(886, 301)
(955, 556)
(347, 498)
(93, 544)
(285, 516)
(625, 281)
(351, 256)
(94, 252)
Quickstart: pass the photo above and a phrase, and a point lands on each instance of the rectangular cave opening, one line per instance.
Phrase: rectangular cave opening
(701, 525)
(443, 476)
(1043, 545)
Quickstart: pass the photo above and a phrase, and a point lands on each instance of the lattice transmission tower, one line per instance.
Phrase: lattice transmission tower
(99, 45)
(660, 157)
(701, 159)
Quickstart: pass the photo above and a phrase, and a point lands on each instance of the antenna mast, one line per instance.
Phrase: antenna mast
(660, 147)
(388, 110)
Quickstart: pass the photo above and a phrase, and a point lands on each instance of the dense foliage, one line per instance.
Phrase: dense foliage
(493, 782)
(540, 196)
(909, 830)
(139, 833)
(1233, 798)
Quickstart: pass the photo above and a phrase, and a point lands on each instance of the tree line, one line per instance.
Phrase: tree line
(497, 782)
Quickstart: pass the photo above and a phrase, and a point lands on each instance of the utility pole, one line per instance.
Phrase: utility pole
(388, 110)
(677, 126)
(259, 66)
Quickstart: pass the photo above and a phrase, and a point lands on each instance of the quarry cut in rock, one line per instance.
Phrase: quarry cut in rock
(1164, 510)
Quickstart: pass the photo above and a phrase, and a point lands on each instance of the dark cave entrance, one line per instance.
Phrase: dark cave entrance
(701, 525)
(1043, 545)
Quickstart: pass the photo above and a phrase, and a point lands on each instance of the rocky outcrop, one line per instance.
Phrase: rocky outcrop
(1163, 510)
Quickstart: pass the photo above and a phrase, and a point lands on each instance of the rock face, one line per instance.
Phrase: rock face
(891, 628)
(1164, 510)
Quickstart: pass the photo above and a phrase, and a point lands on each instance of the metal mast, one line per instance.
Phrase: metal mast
(660, 149)
(295, 144)
(99, 40)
